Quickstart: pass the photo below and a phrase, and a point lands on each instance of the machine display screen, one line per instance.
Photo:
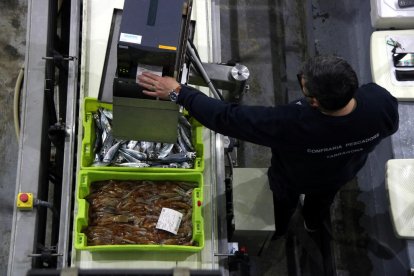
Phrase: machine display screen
(403, 59)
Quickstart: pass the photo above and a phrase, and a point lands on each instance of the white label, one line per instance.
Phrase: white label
(141, 68)
(130, 38)
(169, 220)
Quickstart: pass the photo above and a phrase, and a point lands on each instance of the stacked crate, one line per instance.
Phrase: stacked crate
(89, 174)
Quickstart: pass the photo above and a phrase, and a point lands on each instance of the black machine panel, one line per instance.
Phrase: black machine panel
(150, 34)
(152, 37)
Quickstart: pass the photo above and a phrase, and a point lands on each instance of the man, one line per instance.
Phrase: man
(318, 143)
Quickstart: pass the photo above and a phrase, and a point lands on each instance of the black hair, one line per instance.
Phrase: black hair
(331, 80)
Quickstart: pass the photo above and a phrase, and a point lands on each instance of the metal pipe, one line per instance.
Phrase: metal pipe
(203, 73)
(16, 102)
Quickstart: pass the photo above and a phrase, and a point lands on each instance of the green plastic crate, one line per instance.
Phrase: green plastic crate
(91, 105)
(87, 177)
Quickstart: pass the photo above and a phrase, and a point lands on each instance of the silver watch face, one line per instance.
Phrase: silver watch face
(173, 96)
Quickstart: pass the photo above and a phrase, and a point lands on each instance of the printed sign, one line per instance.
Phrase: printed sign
(141, 68)
(130, 38)
(169, 220)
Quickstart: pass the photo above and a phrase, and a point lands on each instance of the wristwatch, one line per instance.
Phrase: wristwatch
(174, 93)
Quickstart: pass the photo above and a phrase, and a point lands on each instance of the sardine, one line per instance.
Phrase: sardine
(181, 143)
(186, 165)
(165, 150)
(107, 143)
(98, 133)
(146, 147)
(99, 164)
(128, 157)
(107, 113)
(97, 121)
(183, 120)
(135, 154)
(186, 139)
(98, 142)
(109, 156)
(187, 129)
(174, 165)
(133, 165)
(132, 144)
(108, 150)
(157, 147)
(97, 158)
(119, 158)
(178, 157)
(105, 122)
(151, 150)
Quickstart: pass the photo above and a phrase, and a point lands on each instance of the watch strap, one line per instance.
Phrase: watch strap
(174, 93)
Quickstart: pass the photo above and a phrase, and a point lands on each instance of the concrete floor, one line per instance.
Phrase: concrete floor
(12, 51)
(272, 38)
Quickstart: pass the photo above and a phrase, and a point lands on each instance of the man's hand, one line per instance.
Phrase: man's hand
(157, 86)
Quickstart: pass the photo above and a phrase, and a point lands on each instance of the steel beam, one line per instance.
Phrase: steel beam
(33, 145)
(69, 162)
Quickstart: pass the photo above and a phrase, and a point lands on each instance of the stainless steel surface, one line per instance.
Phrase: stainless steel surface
(215, 30)
(31, 159)
(240, 72)
(203, 260)
(68, 177)
(202, 71)
(223, 76)
(109, 69)
(219, 193)
(217, 158)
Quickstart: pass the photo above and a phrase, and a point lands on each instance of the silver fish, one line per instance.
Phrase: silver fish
(132, 144)
(183, 120)
(97, 158)
(135, 154)
(98, 134)
(98, 143)
(186, 139)
(128, 157)
(186, 127)
(107, 113)
(97, 121)
(99, 164)
(107, 143)
(157, 147)
(179, 157)
(104, 122)
(165, 150)
(146, 147)
(133, 165)
(186, 165)
(180, 142)
(109, 156)
(119, 158)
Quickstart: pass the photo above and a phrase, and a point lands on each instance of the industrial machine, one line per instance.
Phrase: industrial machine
(150, 37)
(75, 50)
(155, 35)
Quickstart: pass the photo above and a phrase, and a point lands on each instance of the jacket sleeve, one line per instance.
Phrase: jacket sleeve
(389, 110)
(256, 124)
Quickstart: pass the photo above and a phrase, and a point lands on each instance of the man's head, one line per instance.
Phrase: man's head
(330, 80)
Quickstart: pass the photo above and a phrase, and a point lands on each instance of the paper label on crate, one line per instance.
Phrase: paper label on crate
(169, 220)
(141, 68)
(130, 38)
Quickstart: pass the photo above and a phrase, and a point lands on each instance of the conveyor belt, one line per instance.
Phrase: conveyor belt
(96, 27)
